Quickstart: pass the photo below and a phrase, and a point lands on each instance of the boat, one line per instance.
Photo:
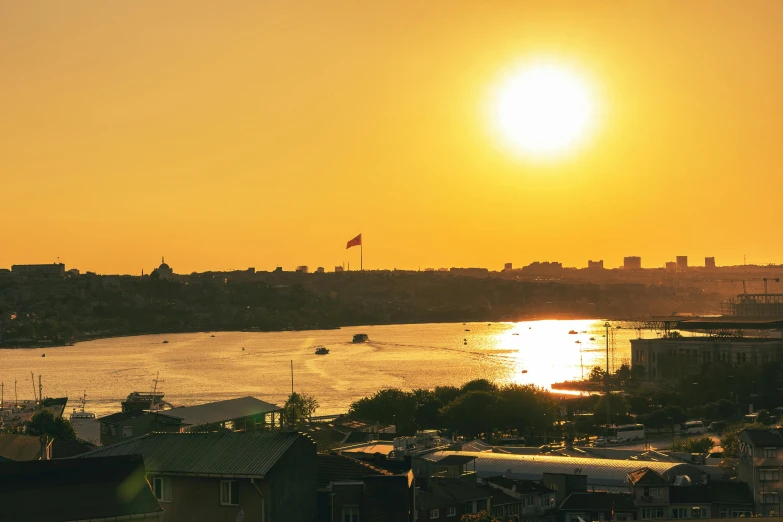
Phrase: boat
(360, 338)
(321, 350)
(467, 330)
(165, 342)
(145, 400)
(592, 338)
(43, 355)
(515, 333)
(489, 324)
(572, 332)
(212, 335)
(465, 339)
(578, 341)
(524, 371)
(82, 414)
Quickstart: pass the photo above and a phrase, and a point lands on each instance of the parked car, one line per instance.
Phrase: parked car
(694, 427)
(600, 441)
(716, 427)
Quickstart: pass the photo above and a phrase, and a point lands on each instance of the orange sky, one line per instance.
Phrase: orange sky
(257, 133)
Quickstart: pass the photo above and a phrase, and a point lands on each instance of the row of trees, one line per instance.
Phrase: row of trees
(478, 407)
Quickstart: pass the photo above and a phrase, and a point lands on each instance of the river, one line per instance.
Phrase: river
(197, 367)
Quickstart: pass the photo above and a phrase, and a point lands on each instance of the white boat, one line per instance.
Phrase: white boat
(76, 415)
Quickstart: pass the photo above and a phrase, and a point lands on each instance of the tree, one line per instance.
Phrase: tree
(617, 408)
(389, 406)
(569, 433)
(472, 413)
(675, 413)
(297, 408)
(479, 385)
(45, 423)
(428, 407)
(637, 404)
(446, 394)
(596, 374)
(763, 417)
(694, 445)
(656, 420)
(623, 373)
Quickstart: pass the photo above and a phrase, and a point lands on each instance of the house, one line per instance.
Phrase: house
(24, 447)
(656, 497)
(449, 499)
(597, 506)
(218, 475)
(760, 457)
(134, 423)
(242, 414)
(536, 501)
(70, 489)
(351, 490)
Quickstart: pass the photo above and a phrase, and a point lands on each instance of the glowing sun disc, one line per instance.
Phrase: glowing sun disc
(544, 110)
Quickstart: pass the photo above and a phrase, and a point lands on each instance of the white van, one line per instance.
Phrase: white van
(694, 427)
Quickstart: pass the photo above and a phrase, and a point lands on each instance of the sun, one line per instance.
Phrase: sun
(544, 110)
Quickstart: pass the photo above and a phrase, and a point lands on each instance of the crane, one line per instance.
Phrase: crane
(743, 281)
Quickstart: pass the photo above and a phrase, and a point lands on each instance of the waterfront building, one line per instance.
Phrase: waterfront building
(675, 356)
(215, 476)
(52, 270)
(632, 263)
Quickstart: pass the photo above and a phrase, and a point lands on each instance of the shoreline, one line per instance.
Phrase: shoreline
(11, 345)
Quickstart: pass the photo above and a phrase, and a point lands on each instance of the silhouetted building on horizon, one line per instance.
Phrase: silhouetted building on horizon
(302, 269)
(508, 267)
(632, 263)
(53, 269)
(709, 262)
(595, 265)
(671, 266)
(682, 262)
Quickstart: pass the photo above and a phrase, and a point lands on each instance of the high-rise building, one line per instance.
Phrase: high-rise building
(508, 267)
(671, 266)
(709, 262)
(55, 269)
(682, 262)
(595, 265)
(632, 263)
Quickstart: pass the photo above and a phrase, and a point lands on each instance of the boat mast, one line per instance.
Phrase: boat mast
(154, 390)
(84, 400)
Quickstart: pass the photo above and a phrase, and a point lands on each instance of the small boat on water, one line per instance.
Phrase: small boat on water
(592, 338)
(43, 355)
(165, 342)
(524, 371)
(321, 350)
(515, 333)
(467, 330)
(212, 335)
(360, 338)
(578, 341)
(82, 414)
(243, 348)
(572, 332)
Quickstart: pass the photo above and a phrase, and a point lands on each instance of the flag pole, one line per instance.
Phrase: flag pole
(361, 257)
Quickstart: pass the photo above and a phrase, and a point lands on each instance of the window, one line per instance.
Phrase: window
(724, 512)
(770, 453)
(648, 513)
(452, 512)
(434, 513)
(770, 498)
(229, 493)
(553, 487)
(351, 514)
(514, 509)
(621, 518)
(543, 501)
(679, 512)
(481, 505)
(768, 474)
(652, 492)
(162, 488)
(127, 431)
(112, 429)
(737, 513)
(698, 512)
(468, 507)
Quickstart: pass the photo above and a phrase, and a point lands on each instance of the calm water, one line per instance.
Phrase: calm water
(197, 368)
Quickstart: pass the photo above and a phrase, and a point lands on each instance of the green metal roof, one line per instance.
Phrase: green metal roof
(218, 454)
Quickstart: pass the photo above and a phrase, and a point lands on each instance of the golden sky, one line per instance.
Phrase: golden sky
(232, 134)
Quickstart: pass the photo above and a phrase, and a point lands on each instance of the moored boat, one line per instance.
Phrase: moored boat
(321, 350)
(572, 332)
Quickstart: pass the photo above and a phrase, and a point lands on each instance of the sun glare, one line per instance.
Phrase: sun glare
(544, 110)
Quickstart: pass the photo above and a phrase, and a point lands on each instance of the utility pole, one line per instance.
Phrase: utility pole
(606, 378)
(40, 388)
(2, 395)
(16, 400)
(32, 376)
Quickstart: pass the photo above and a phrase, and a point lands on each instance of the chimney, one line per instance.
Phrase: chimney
(45, 455)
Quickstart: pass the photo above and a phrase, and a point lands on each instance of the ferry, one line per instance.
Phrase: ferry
(360, 338)
(321, 350)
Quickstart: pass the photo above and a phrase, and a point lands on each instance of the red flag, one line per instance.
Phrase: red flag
(357, 241)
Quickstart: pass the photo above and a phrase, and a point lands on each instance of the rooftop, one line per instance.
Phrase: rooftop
(647, 477)
(222, 411)
(598, 501)
(334, 468)
(19, 447)
(732, 323)
(602, 474)
(223, 454)
(764, 437)
(519, 485)
(63, 483)
(450, 492)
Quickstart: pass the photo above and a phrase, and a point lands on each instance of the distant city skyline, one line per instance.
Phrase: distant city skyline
(268, 133)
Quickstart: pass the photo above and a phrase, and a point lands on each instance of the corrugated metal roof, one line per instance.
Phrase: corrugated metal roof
(222, 411)
(238, 454)
(602, 474)
(19, 447)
